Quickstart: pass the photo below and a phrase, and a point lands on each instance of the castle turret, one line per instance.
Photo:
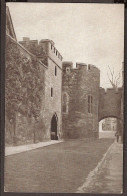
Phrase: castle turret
(52, 53)
(80, 91)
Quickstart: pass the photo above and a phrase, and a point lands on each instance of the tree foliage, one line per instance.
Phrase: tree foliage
(23, 83)
(38, 51)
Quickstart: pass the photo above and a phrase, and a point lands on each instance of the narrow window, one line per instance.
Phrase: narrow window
(51, 46)
(56, 53)
(54, 50)
(88, 67)
(51, 92)
(55, 71)
(91, 104)
(90, 101)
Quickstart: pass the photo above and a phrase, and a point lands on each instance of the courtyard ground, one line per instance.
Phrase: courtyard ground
(60, 168)
(109, 179)
(107, 134)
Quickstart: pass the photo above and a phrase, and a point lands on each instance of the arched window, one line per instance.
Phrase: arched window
(65, 102)
(90, 102)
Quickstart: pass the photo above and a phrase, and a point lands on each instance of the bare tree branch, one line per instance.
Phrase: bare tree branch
(114, 79)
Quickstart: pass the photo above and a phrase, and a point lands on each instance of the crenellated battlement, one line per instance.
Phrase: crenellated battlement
(71, 100)
(50, 49)
(79, 66)
(80, 83)
(109, 102)
(110, 90)
(43, 50)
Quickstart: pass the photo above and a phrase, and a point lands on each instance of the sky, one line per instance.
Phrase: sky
(88, 33)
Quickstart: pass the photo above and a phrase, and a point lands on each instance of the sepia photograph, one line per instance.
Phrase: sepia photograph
(64, 98)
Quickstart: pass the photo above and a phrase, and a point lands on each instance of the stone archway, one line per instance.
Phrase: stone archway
(109, 103)
(54, 123)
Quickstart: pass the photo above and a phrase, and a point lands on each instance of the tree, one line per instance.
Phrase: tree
(38, 51)
(115, 80)
(23, 85)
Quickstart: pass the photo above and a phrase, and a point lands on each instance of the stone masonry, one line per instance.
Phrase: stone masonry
(53, 81)
(80, 120)
(72, 101)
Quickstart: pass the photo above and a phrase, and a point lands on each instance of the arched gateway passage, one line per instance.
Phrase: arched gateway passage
(109, 103)
(54, 122)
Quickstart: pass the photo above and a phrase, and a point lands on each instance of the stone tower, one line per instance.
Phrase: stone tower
(51, 58)
(80, 95)
(53, 83)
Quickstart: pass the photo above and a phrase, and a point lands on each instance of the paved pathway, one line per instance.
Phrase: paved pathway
(109, 178)
(58, 168)
(107, 134)
(23, 148)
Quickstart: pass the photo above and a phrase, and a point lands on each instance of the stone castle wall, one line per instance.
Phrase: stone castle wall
(109, 103)
(25, 125)
(52, 104)
(53, 79)
(51, 51)
(77, 101)
(78, 84)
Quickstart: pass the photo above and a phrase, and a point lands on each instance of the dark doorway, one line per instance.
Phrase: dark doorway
(54, 127)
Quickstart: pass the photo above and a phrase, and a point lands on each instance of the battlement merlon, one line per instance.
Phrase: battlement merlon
(44, 42)
(46, 46)
(50, 49)
(27, 40)
(79, 66)
(66, 64)
(86, 66)
(47, 40)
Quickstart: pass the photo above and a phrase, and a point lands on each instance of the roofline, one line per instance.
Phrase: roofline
(11, 21)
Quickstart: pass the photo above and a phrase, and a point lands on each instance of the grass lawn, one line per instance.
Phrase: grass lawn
(60, 168)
